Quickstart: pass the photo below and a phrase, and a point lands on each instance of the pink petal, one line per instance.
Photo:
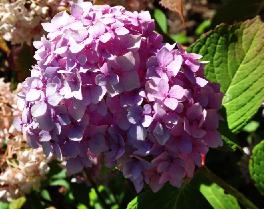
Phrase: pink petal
(171, 103)
(33, 95)
(39, 109)
(121, 31)
(175, 65)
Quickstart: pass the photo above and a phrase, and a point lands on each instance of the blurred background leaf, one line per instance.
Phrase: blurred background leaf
(161, 19)
(256, 166)
(18, 203)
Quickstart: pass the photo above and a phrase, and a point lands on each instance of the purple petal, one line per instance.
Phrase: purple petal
(164, 56)
(194, 112)
(71, 149)
(127, 62)
(74, 166)
(161, 134)
(76, 133)
(213, 139)
(97, 144)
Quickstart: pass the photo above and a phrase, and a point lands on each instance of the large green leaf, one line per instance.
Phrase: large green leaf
(237, 10)
(205, 191)
(229, 141)
(236, 62)
(187, 197)
(217, 198)
(256, 166)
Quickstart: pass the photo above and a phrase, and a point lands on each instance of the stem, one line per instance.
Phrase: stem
(101, 199)
(229, 189)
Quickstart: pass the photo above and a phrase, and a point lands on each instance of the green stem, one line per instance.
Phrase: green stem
(229, 189)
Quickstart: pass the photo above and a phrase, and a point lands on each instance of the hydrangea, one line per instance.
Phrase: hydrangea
(20, 19)
(106, 91)
(21, 167)
(132, 5)
(7, 106)
(18, 176)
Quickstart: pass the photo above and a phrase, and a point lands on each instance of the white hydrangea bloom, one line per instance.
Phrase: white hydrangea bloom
(20, 19)
(21, 168)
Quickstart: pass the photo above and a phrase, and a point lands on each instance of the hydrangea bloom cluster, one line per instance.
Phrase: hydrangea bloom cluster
(18, 176)
(107, 91)
(21, 167)
(20, 19)
(7, 105)
(132, 5)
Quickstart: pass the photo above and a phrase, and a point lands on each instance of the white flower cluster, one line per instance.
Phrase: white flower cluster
(20, 19)
(21, 168)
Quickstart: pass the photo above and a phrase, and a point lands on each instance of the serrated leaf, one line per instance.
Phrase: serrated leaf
(161, 19)
(18, 203)
(217, 197)
(256, 166)
(187, 197)
(229, 141)
(236, 62)
(237, 10)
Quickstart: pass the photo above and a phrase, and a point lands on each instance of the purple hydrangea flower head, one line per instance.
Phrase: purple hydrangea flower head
(107, 92)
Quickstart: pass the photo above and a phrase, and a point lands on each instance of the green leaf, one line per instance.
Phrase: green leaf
(82, 206)
(252, 126)
(217, 198)
(181, 38)
(45, 194)
(187, 197)
(236, 62)
(18, 203)
(202, 27)
(212, 178)
(161, 19)
(4, 205)
(237, 10)
(60, 182)
(60, 175)
(229, 145)
(256, 166)
(229, 141)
